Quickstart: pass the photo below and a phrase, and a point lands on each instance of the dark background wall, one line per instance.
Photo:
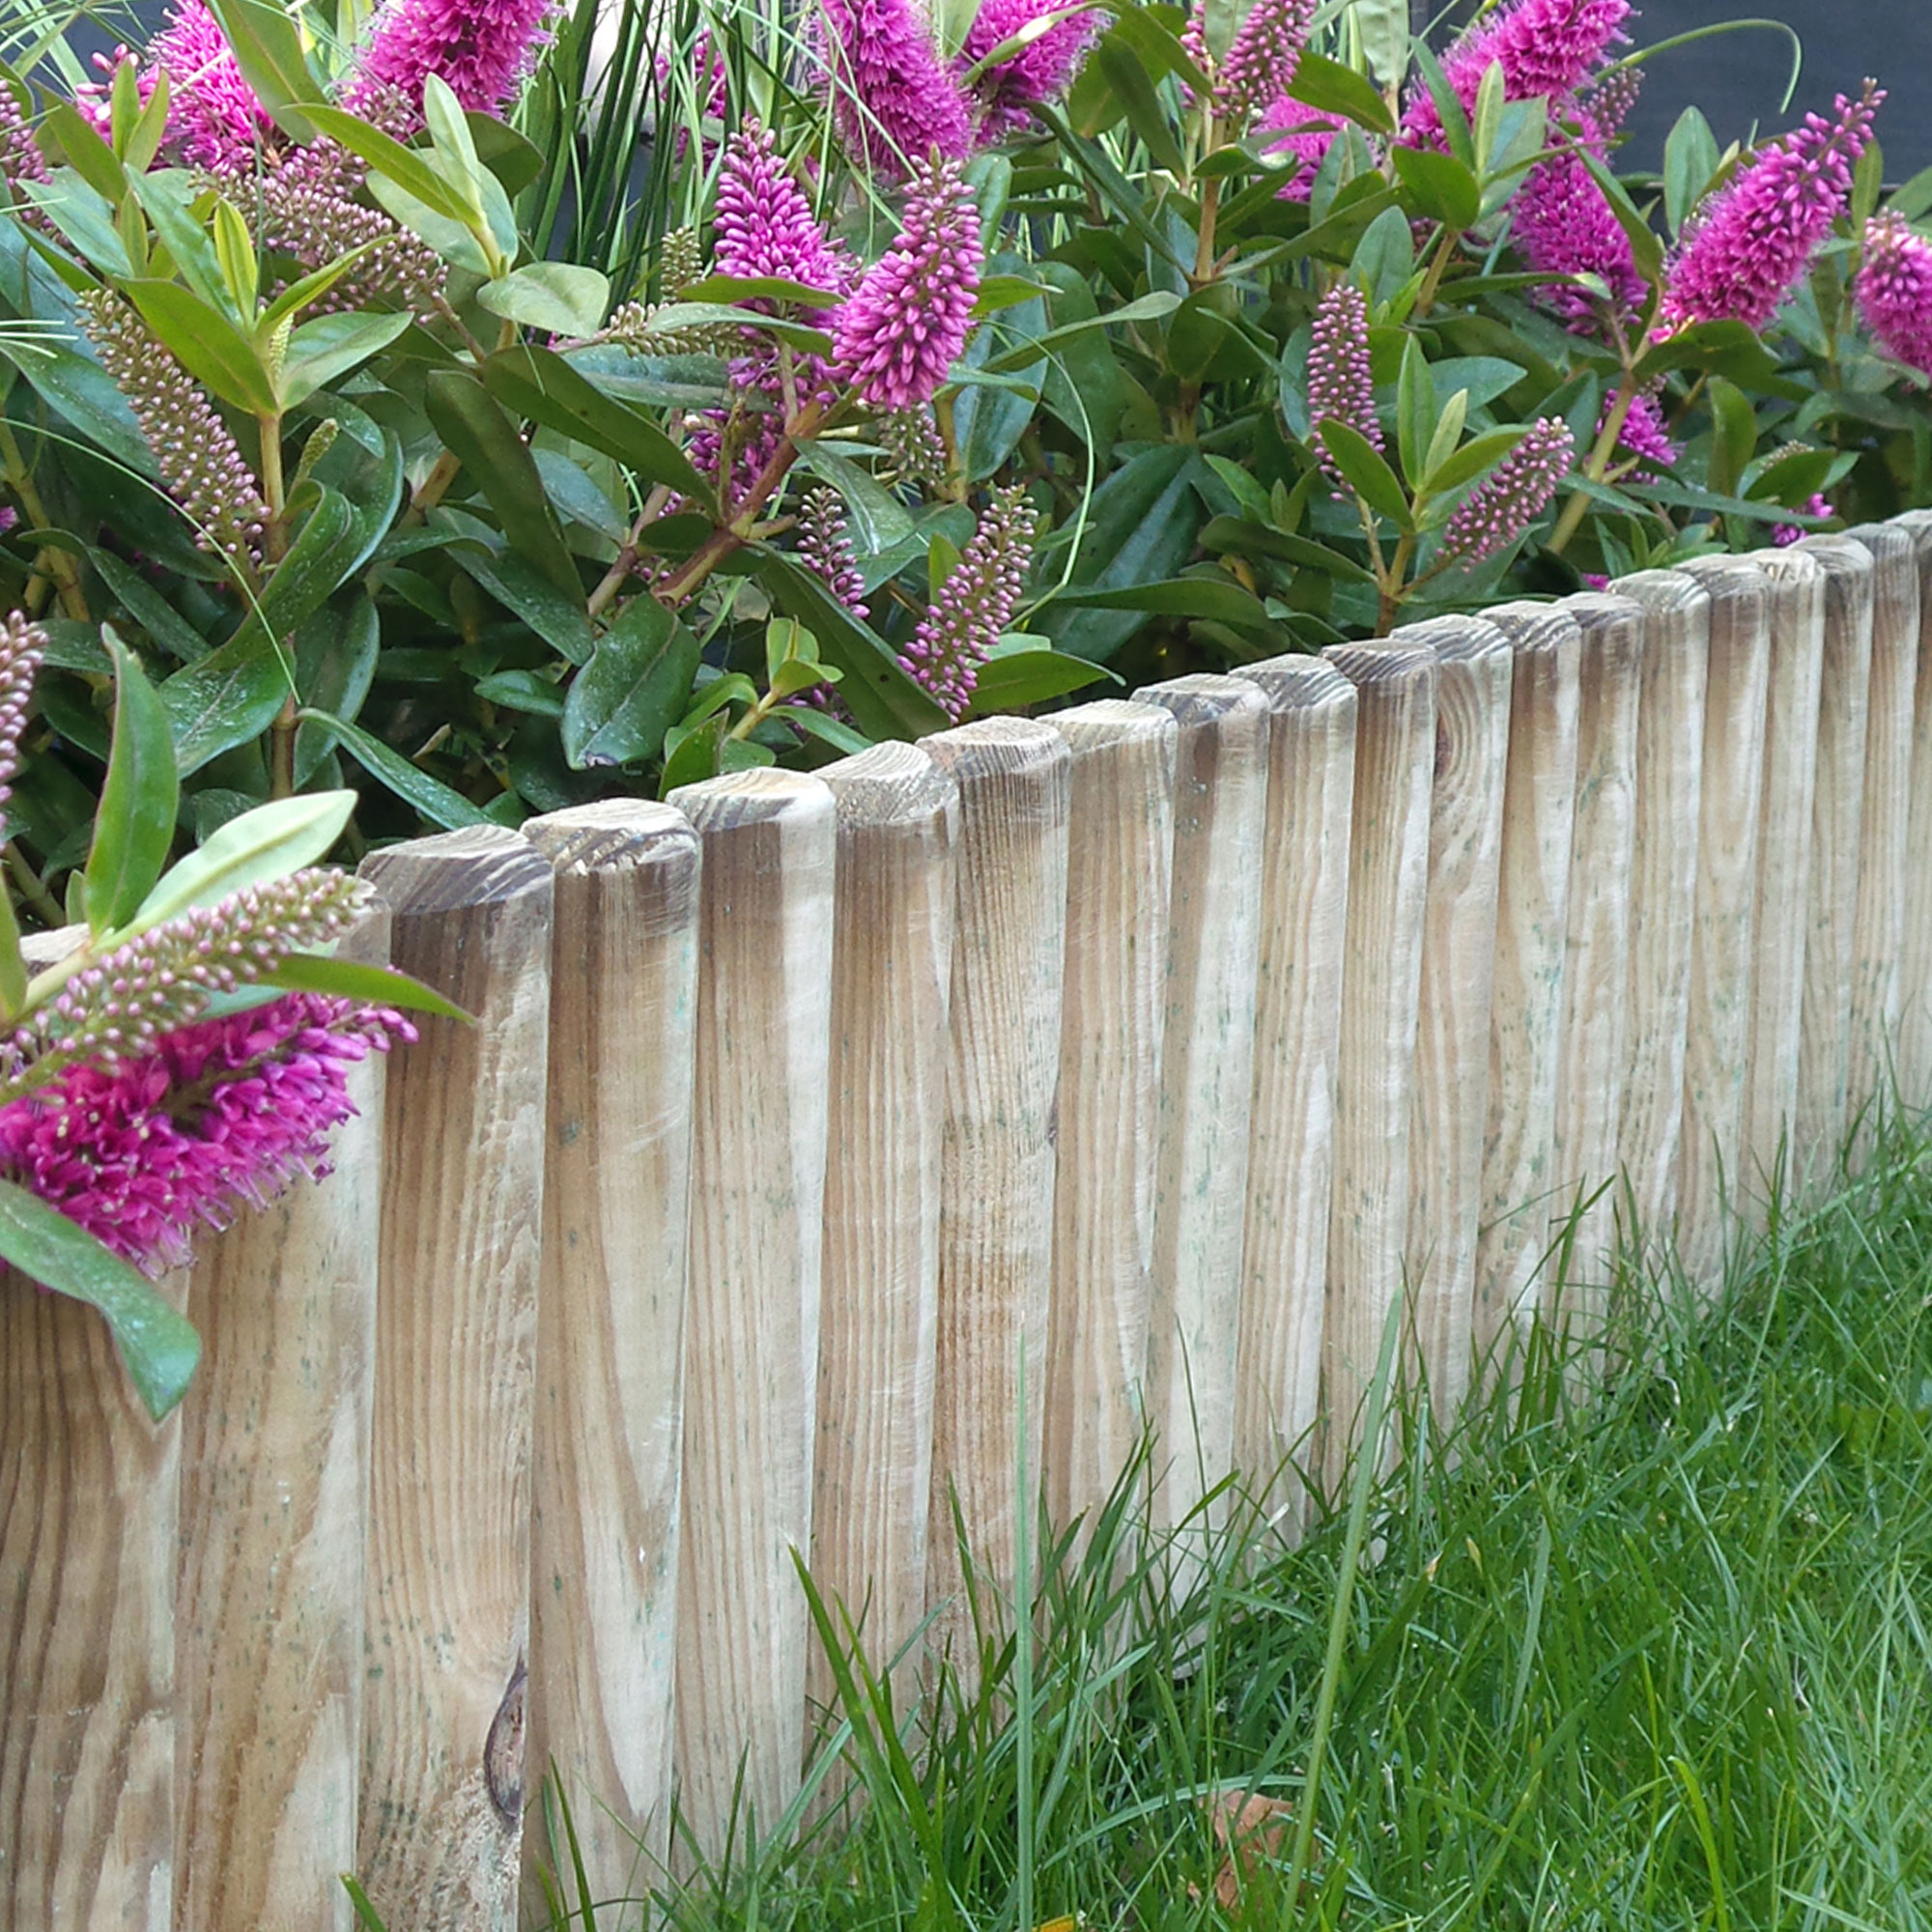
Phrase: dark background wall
(1738, 79)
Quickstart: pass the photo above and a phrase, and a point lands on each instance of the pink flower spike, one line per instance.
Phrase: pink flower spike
(214, 117)
(825, 549)
(1042, 69)
(899, 335)
(1340, 382)
(1546, 47)
(1310, 134)
(1895, 291)
(1260, 63)
(1782, 534)
(1512, 496)
(893, 99)
(764, 225)
(974, 604)
(1563, 226)
(22, 647)
(1750, 245)
(1643, 435)
(483, 49)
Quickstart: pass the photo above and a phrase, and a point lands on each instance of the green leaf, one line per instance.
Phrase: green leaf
(1335, 89)
(883, 701)
(1384, 257)
(633, 690)
(1382, 28)
(1208, 598)
(562, 622)
(235, 250)
(158, 1347)
(484, 440)
(351, 979)
(1913, 198)
(1134, 89)
(1253, 539)
(335, 654)
(85, 151)
(135, 824)
(691, 757)
(1691, 158)
(558, 297)
(1146, 308)
(1448, 433)
(411, 783)
(262, 845)
(830, 730)
(1367, 471)
(1734, 441)
(1448, 105)
(1415, 409)
(1479, 454)
(542, 387)
(409, 169)
(206, 345)
(330, 346)
(1439, 186)
(525, 691)
(268, 48)
(1015, 679)
(227, 698)
(1646, 249)
(987, 423)
(325, 550)
(13, 965)
(1720, 348)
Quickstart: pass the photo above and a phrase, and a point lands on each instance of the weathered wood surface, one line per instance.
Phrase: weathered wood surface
(1119, 871)
(1837, 817)
(1596, 961)
(447, 1604)
(1473, 671)
(1381, 976)
(1521, 1203)
(892, 963)
(1915, 970)
(1797, 583)
(1303, 918)
(89, 1491)
(1709, 1159)
(1207, 1083)
(997, 1158)
(609, 1430)
(268, 1659)
(757, 1193)
(1885, 878)
(1664, 898)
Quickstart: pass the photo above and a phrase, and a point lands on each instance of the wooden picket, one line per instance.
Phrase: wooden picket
(841, 1162)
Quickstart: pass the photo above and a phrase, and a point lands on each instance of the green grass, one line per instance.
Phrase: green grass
(1655, 1660)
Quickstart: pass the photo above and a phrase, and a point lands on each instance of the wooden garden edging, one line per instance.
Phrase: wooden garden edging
(831, 1150)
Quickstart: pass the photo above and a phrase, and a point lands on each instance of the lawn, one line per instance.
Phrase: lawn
(1649, 1655)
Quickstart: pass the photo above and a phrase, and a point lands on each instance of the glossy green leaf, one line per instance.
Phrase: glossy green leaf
(268, 48)
(411, 783)
(85, 151)
(324, 552)
(543, 387)
(561, 621)
(13, 965)
(1479, 454)
(1414, 409)
(1691, 158)
(525, 691)
(1326, 84)
(1646, 248)
(1734, 440)
(1439, 186)
(1202, 597)
(558, 297)
(1147, 114)
(135, 824)
(1367, 471)
(475, 429)
(1016, 679)
(227, 698)
(691, 757)
(1145, 308)
(158, 1346)
(351, 979)
(206, 344)
(1248, 539)
(330, 346)
(260, 846)
(633, 690)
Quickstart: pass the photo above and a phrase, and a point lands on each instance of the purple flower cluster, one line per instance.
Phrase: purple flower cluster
(1748, 246)
(1895, 290)
(825, 549)
(1041, 71)
(481, 48)
(215, 120)
(764, 225)
(892, 96)
(1643, 434)
(214, 1115)
(20, 157)
(1546, 47)
(975, 604)
(1340, 382)
(1512, 496)
(1310, 134)
(1563, 226)
(1784, 534)
(897, 336)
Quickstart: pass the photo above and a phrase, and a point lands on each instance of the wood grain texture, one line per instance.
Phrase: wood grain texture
(1664, 898)
(1837, 819)
(1382, 976)
(996, 1167)
(892, 964)
(1797, 583)
(1313, 711)
(89, 1491)
(609, 1427)
(1596, 958)
(1885, 878)
(447, 1604)
(1119, 866)
(1915, 999)
(1473, 671)
(274, 1513)
(1519, 1200)
(758, 1192)
(1717, 1047)
(1207, 1083)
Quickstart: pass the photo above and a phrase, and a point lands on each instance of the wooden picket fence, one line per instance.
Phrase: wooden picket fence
(1169, 1042)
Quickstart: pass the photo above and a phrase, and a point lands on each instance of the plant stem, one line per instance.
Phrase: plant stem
(1596, 466)
(434, 487)
(34, 888)
(52, 566)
